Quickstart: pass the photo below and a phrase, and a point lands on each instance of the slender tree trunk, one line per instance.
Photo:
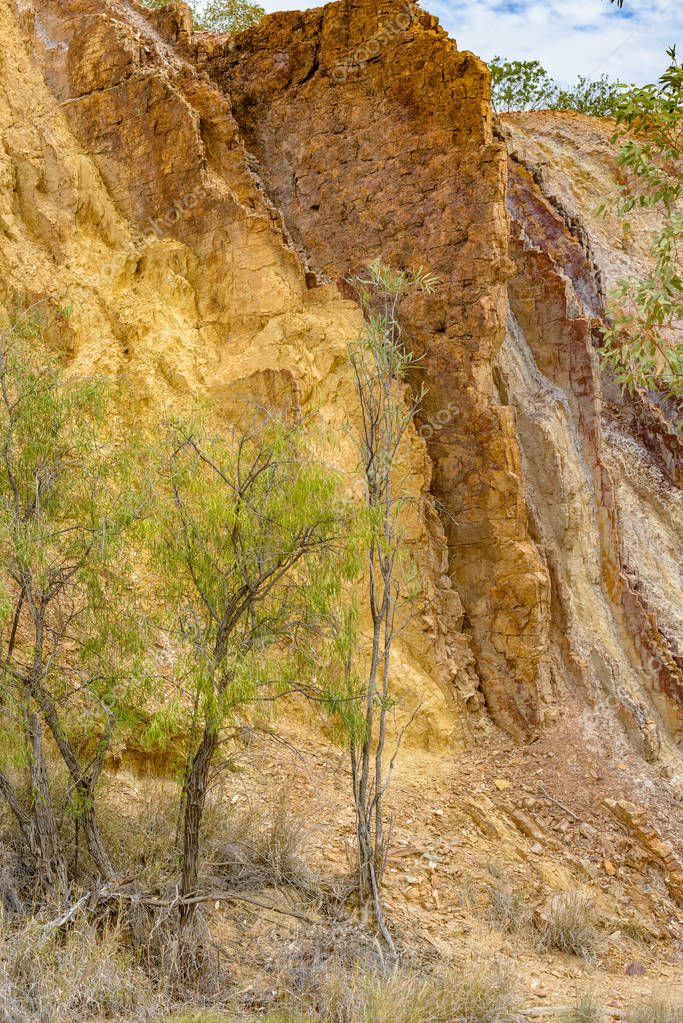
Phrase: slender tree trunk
(38, 828)
(47, 845)
(363, 835)
(195, 801)
(387, 630)
(85, 784)
(23, 818)
(93, 837)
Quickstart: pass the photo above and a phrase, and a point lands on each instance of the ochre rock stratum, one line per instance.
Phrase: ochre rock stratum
(201, 201)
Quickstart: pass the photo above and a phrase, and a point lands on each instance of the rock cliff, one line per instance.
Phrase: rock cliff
(200, 202)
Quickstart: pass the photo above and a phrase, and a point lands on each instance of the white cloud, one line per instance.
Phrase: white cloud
(569, 37)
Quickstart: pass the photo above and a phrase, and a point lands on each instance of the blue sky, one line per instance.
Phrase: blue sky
(569, 37)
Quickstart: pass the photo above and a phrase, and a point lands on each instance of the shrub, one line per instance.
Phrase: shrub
(526, 85)
(143, 840)
(520, 85)
(569, 925)
(643, 344)
(508, 910)
(258, 848)
(242, 849)
(228, 16)
(586, 1010)
(597, 97)
(218, 15)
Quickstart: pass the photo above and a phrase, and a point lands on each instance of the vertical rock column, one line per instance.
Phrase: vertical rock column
(373, 135)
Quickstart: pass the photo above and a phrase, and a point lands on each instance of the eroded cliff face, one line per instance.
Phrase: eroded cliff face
(397, 157)
(374, 135)
(200, 201)
(584, 447)
(128, 193)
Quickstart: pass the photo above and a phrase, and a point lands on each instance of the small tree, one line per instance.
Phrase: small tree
(248, 537)
(644, 342)
(218, 15)
(520, 85)
(596, 97)
(70, 632)
(380, 362)
(228, 15)
(526, 85)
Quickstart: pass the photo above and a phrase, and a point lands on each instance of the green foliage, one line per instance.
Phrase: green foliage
(247, 534)
(228, 16)
(597, 97)
(218, 15)
(526, 85)
(71, 627)
(250, 541)
(644, 343)
(520, 85)
(71, 630)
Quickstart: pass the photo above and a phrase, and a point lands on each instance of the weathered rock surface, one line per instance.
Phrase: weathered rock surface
(397, 157)
(636, 821)
(201, 200)
(584, 447)
(354, 152)
(128, 193)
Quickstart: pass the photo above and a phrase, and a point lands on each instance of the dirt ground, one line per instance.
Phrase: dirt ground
(531, 820)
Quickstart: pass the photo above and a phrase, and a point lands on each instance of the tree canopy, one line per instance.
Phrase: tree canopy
(218, 15)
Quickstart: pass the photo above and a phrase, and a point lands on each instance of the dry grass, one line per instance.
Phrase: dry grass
(12, 890)
(476, 992)
(332, 973)
(257, 848)
(200, 1016)
(569, 926)
(142, 838)
(636, 930)
(50, 977)
(656, 1010)
(243, 849)
(586, 1010)
(508, 910)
